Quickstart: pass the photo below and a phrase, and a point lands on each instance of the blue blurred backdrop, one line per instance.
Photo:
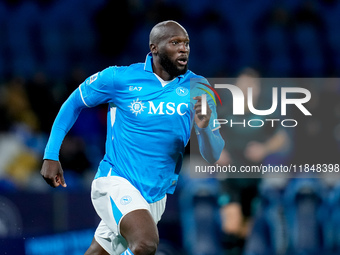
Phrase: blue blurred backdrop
(48, 47)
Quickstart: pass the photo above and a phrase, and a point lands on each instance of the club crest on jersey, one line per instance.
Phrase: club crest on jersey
(93, 78)
(125, 200)
(181, 91)
(137, 106)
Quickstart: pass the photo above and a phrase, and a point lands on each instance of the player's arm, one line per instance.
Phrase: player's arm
(51, 169)
(93, 91)
(210, 141)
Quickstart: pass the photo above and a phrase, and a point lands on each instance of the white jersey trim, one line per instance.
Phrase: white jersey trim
(82, 98)
(216, 128)
(113, 111)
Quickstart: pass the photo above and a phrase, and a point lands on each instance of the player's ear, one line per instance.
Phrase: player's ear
(153, 48)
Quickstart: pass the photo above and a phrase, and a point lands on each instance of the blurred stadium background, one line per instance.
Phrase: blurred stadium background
(48, 47)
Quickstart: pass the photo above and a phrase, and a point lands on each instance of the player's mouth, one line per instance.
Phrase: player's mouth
(183, 61)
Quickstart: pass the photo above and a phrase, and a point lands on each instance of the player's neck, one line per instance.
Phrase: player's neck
(160, 71)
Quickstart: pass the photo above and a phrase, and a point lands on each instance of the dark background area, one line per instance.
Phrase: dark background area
(48, 47)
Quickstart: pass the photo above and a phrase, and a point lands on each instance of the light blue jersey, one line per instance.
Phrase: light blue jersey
(148, 125)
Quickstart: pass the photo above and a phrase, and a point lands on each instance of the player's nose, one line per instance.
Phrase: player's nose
(183, 48)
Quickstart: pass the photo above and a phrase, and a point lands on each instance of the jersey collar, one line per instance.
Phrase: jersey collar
(148, 64)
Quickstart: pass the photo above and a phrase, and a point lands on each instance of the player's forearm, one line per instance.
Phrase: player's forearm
(210, 143)
(65, 119)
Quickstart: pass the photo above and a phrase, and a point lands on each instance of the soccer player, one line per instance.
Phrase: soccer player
(150, 116)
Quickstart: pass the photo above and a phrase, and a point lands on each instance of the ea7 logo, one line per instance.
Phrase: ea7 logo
(132, 88)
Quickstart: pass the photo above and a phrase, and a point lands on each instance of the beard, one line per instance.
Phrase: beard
(170, 67)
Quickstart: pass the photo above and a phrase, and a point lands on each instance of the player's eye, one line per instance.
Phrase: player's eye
(174, 42)
(186, 44)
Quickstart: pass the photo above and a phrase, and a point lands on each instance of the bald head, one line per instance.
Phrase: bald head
(164, 30)
(169, 45)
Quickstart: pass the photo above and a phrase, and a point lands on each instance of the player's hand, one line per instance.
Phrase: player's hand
(202, 121)
(53, 173)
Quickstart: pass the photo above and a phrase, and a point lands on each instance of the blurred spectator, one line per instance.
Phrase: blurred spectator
(18, 105)
(246, 146)
(317, 133)
(18, 159)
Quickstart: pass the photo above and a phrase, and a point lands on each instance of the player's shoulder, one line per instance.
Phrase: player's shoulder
(190, 75)
(195, 79)
(198, 83)
(128, 69)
